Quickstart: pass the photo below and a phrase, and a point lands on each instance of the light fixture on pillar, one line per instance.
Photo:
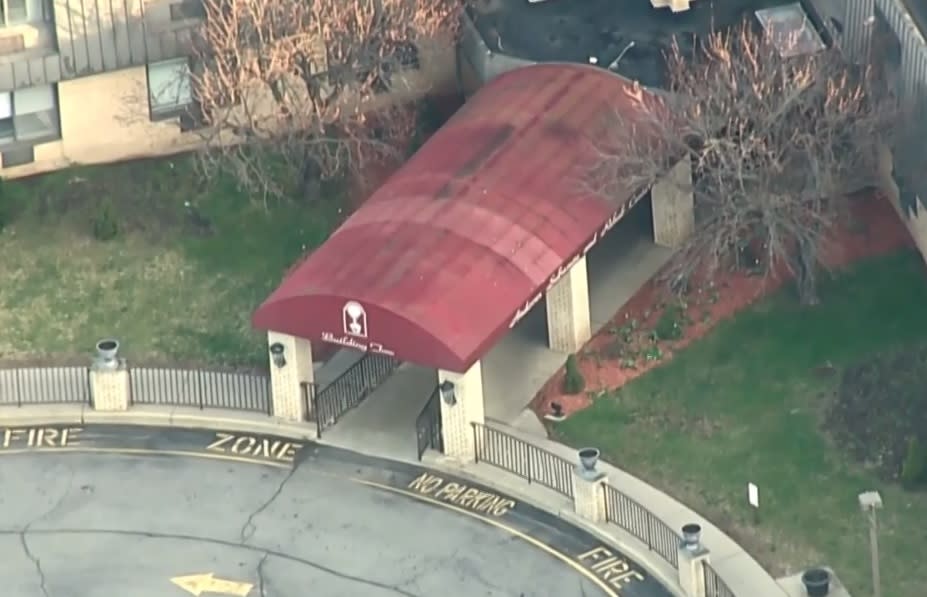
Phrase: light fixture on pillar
(276, 353)
(691, 536)
(448, 392)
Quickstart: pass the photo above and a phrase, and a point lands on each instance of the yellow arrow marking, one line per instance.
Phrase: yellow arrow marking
(197, 584)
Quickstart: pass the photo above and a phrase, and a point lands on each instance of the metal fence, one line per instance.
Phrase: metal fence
(534, 464)
(428, 425)
(640, 522)
(47, 385)
(200, 389)
(308, 390)
(349, 389)
(714, 586)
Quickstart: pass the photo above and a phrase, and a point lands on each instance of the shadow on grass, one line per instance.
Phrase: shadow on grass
(744, 404)
(171, 285)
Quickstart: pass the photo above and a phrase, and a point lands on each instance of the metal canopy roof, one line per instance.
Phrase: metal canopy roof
(445, 257)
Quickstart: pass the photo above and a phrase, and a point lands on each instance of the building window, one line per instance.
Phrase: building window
(187, 9)
(29, 116)
(170, 93)
(17, 12)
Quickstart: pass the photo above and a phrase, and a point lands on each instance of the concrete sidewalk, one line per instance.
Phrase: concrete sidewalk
(737, 568)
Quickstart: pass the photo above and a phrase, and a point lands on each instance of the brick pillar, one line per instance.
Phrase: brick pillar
(673, 206)
(109, 387)
(286, 381)
(456, 419)
(692, 571)
(589, 495)
(568, 324)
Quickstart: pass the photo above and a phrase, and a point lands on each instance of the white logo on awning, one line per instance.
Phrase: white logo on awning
(355, 319)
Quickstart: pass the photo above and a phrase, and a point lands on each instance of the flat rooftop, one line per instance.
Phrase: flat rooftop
(575, 30)
(918, 11)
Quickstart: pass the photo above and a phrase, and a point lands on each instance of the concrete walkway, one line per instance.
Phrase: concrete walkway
(736, 567)
(384, 423)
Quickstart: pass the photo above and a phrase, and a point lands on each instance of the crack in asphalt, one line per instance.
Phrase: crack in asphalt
(262, 581)
(249, 528)
(24, 542)
(36, 562)
(180, 537)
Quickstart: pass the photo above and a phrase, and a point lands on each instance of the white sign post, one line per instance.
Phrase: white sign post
(753, 498)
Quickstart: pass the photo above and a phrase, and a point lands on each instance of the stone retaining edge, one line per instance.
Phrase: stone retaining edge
(561, 507)
(739, 570)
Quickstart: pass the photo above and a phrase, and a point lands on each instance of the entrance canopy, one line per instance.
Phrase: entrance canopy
(466, 237)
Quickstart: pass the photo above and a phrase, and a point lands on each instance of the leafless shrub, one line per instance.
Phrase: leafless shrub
(775, 145)
(292, 91)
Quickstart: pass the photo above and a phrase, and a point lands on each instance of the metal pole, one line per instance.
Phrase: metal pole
(874, 552)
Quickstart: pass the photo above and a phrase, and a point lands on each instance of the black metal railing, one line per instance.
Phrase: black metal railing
(714, 586)
(349, 389)
(640, 522)
(47, 385)
(308, 390)
(428, 425)
(200, 389)
(515, 455)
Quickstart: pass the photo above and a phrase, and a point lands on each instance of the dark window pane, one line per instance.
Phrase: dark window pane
(187, 9)
(18, 157)
(7, 132)
(17, 11)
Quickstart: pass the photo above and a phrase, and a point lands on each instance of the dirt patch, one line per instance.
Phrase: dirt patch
(651, 327)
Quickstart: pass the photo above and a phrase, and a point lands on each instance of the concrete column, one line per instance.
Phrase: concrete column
(916, 221)
(459, 412)
(692, 571)
(589, 495)
(673, 206)
(109, 388)
(857, 29)
(909, 74)
(568, 324)
(286, 381)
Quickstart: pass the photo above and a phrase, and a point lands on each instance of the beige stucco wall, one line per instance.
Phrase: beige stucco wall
(104, 118)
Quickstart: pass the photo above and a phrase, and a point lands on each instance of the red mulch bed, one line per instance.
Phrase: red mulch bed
(874, 229)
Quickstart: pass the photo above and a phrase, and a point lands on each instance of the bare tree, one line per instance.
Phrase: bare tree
(294, 91)
(775, 145)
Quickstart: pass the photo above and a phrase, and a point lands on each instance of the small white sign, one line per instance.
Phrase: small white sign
(753, 495)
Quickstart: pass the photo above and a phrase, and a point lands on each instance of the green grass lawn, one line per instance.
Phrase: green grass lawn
(745, 404)
(170, 291)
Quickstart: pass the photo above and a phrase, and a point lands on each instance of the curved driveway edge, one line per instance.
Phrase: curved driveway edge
(739, 570)
(601, 569)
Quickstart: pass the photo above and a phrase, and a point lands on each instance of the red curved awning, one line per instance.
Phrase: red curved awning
(437, 263)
